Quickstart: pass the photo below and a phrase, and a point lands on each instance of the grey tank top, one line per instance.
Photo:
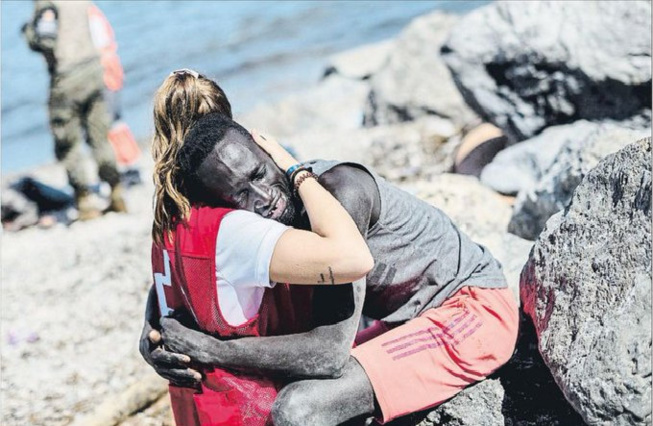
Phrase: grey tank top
(421, 258)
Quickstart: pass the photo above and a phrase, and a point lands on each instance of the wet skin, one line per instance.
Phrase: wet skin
(245, 177)
(239, 173)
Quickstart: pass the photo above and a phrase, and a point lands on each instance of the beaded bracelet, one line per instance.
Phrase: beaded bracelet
(292, 169)
(302, 178)
(295, 172)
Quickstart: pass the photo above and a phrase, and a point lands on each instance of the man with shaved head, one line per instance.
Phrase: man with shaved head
(446, 318)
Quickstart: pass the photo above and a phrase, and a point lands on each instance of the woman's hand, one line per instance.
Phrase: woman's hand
(334, 252)
(279, 155)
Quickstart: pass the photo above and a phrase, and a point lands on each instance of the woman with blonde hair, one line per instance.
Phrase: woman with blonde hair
(224, 267)
(183, 98)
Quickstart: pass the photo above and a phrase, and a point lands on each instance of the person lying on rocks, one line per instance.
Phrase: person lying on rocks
(446, 316)
(27, 202)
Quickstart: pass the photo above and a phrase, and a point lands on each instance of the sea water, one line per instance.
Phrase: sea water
(257, 51)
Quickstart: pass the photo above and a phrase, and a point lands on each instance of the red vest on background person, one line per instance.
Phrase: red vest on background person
(185, 278)
(105, 41)
(120, 136)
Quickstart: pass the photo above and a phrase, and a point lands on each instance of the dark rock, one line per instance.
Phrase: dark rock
(479, 404)
(360, 63)
(336, 103)
(414, 81)
(587, 288)
(531, 396)
(525, 66)
(519, 167)
(553, 192)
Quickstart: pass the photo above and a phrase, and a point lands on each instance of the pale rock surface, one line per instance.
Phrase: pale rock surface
(519, 167)
(528, 65)
(337, 103)
(400, 152)
(414, 80)
(587, 288)
(553, 191)
(360, 63)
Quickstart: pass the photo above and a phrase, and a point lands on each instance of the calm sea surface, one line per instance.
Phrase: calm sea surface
(258, 51)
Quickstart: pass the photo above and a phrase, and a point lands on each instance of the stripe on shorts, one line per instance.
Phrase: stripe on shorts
(428, 330)
(448, 335)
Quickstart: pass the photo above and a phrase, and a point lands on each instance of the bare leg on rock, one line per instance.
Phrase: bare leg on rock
(325, 402)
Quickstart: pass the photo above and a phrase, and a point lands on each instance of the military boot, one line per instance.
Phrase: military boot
(87, 207)
(116, 200)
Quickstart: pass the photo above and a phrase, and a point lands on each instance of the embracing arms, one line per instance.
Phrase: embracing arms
(319, 353)
(334, 251)
(169, 365)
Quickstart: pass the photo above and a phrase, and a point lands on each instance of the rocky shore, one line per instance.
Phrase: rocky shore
(565, 207)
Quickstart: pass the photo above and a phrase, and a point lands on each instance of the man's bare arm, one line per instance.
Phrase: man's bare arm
(171, 366)
(319, 353)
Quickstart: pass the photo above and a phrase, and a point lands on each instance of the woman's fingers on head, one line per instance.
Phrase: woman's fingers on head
(260, 140)
(267, 144)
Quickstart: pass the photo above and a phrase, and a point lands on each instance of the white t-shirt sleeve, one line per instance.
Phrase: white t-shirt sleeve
(245, 244)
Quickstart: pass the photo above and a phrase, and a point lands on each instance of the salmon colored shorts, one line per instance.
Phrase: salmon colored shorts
(429, 359)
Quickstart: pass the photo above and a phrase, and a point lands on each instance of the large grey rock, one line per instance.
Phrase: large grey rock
(336, 103)
(361, 62)
(553, 192)
(414, 81)
(480, 405)
(587, 288)
(528, 65)
(520, 167)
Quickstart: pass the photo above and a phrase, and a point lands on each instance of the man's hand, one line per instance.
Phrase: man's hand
(181, 339)
(171, 366)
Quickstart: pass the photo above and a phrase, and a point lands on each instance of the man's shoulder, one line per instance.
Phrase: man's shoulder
(350, 177)
(356, 189)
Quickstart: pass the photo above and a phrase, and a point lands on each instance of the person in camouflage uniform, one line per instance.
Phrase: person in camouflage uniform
(60, 31)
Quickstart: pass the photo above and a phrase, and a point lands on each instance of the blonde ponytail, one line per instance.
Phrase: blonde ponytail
(183, 98)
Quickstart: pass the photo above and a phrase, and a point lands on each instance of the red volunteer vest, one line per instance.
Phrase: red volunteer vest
(184, 275)
(105, 42)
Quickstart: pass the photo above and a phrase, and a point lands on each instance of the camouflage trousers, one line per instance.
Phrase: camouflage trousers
(78, 111)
